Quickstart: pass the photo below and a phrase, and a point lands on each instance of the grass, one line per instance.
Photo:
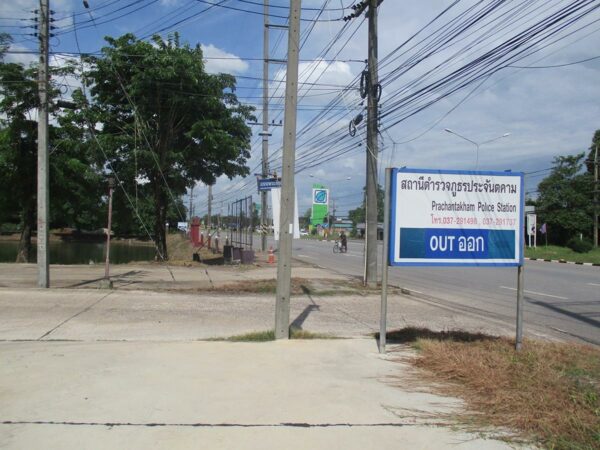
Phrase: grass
(269, 335)
(300, 286)
(564, 253)
(547, 392)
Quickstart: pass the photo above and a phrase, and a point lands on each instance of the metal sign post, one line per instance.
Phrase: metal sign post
(454, 218)
(384, 276)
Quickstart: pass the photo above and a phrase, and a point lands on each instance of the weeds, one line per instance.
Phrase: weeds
(548, 392)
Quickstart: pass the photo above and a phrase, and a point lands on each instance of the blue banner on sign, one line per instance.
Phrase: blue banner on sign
(267, 184)
(458, 244)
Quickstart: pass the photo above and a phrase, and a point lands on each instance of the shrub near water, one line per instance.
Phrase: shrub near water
(548, 392)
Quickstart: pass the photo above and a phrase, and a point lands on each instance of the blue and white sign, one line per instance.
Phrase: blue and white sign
(266, 184)
(320, 196)
(456, 218)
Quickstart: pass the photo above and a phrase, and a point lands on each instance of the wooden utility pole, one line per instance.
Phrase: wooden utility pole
(373, 93)
(286, 221)
(107, 284)
(43, 194)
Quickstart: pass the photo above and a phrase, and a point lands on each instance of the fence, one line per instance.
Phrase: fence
(240, 222)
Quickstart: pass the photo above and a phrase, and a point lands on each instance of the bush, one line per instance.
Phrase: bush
(580, 245)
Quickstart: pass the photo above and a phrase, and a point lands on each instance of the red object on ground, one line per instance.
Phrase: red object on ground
(271, 256)
(195, 232)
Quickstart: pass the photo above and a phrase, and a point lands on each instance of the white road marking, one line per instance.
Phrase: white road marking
(536, 293)
(306, 256)
(594, 284)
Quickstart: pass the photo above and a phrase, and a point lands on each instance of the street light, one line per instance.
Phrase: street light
(448, 130)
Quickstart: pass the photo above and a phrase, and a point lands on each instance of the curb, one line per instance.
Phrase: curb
(562, 261)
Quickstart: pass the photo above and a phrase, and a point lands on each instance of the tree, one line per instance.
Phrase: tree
(160, 116)
(73, 184)
(305, 219)
(589, 162)
(564, 199)
(357, 215)
(5, 41)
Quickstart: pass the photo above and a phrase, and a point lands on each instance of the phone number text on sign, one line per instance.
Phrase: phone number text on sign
(456, 218)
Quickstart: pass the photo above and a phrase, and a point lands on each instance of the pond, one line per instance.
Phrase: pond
(69, 252)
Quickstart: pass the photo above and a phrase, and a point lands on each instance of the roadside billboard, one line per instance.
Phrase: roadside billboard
(456, 218)
(320, 204)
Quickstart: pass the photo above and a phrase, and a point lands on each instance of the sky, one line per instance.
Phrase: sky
(550, 108)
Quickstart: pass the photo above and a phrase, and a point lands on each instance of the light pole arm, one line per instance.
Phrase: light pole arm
(465, 138)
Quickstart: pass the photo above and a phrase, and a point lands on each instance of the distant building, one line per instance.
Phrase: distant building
(342, 225)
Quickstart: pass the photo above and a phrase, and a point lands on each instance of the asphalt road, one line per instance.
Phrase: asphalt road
(562, 299)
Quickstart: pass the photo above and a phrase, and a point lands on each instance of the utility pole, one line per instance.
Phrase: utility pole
(190, 211)
(43, 195)
(596, 197)
(286, 222)
(106, 283)
(209, 219)
(373, 93)
(265, 127)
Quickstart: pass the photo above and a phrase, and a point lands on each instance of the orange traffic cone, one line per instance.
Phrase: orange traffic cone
(271, 256)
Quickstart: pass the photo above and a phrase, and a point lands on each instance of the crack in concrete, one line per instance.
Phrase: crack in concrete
(205, 424)
(87, 308)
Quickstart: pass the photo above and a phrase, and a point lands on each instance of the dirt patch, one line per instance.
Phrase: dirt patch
(547, 392)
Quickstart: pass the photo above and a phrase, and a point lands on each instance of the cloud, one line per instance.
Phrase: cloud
(19, 54)
(229, 63)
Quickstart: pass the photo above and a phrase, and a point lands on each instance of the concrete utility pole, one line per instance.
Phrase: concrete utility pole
(286, 222)
(596, 197)
(209, 219)
(373, 92)
(43, 194)
(265, 127)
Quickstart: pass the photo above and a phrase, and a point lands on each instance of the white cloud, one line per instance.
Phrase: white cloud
(229, 63)
(20, 55)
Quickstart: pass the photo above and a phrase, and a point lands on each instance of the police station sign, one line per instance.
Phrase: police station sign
(447, 218)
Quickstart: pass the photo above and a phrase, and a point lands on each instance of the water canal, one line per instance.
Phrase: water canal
(70, 252)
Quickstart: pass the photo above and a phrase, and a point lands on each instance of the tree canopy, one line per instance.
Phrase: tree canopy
(564, 200)
(357, 215)
(159, 116)
(73, 183)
